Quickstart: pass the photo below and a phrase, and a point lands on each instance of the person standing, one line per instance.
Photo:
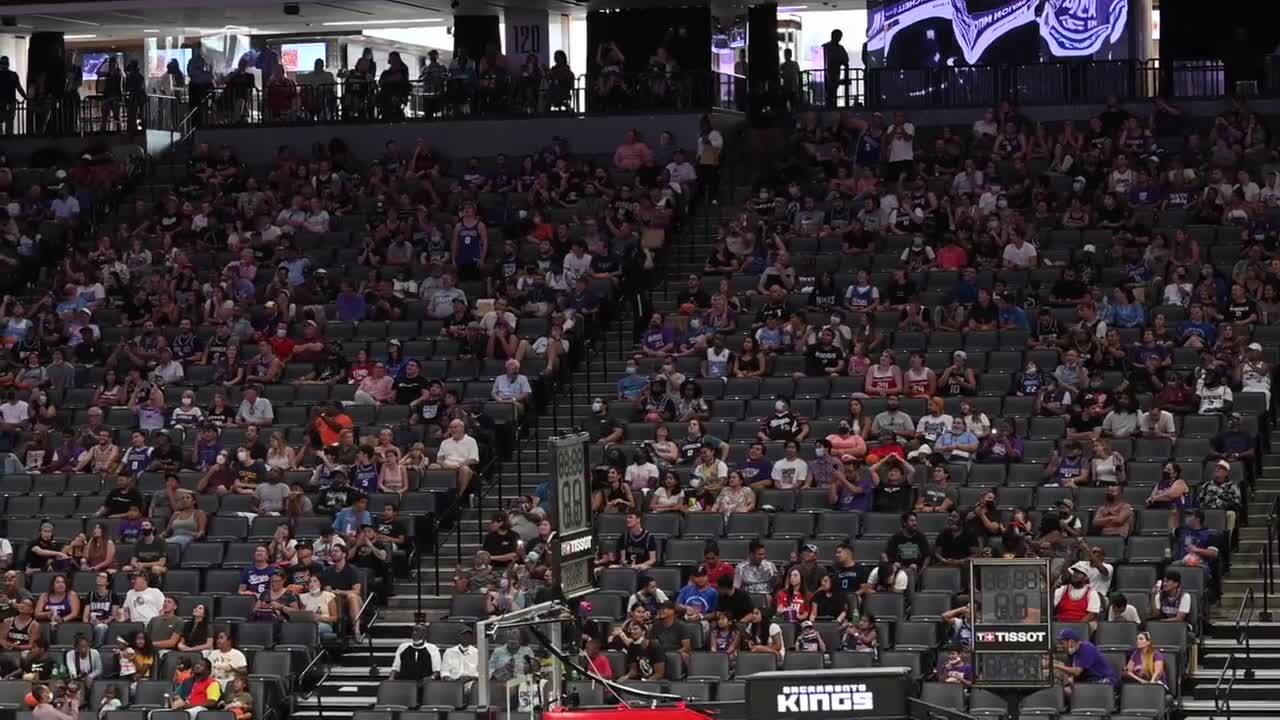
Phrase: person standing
(835, 63)
(10, 89)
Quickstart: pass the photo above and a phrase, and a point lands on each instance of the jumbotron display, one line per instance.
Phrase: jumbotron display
(938, 33)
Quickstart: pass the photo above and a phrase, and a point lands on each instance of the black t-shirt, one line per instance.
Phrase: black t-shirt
(984, 314)
(738, 605)
(393, 528)
(1240, 311)
(846, 580)
(1080, 424)
(500, 544)
(8, 86)
(895, 499)
(825, 359)
(336, 497)
(670, 638)
(907, 549)
(300, 574)
(766, 312)
(782, 427)
(600, 425)
(149, 552)
(409, 389)
(648, 655)
(636, 548)
(344, 579)
(119, 501)
(955, 545)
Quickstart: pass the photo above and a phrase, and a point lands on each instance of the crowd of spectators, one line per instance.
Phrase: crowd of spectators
(912, 348)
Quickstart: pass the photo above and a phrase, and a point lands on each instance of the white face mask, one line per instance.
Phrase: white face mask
(281, 333)
(631, 369)
(780, 406)
(820, 451)
(597, 407)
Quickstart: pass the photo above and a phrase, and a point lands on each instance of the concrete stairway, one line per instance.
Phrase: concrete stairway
(1240, 664)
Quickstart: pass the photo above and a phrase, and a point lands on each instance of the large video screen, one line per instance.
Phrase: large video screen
(301, 57)
(941, 33)
(160, 58)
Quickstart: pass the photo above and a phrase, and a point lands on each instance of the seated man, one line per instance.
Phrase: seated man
(342, 580)
(458, 451)
(1086, 664)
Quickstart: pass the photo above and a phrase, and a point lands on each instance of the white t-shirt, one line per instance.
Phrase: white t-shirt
(790, 474)
(142, 606)
(900, 580)
(317, 604)
(223, 665)
(455, 451)
(1212, 400)
(902, 149)
(1019, 257)
(15, 412)
(932, 427)
(575, 267)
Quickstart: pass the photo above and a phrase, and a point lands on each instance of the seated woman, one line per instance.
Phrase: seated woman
(669, 497)
(735, 497)
(1146, 663)
(59, 604)
(322, 604)
(194, 635)
(136, 657)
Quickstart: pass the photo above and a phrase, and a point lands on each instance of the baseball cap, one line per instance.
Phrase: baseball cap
(809, 547)
(960, 354)
(1068, 635)
(1090, 248)
(1255, 346)
(1083, 568)
(1224, 464)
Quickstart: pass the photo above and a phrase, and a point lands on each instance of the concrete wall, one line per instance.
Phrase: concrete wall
(458, 139)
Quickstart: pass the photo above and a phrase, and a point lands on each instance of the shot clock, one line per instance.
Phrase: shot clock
(573, 547)
(1009, 610)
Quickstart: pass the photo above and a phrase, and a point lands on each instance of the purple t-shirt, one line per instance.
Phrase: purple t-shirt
(1095, 665)
(657, 338)
(1135, 658)
(860, 503)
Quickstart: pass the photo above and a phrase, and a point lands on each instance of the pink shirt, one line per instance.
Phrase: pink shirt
(632, 156)
(380, 390)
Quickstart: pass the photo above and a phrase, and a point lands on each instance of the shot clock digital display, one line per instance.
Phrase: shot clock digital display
(573, 548)
(1012, 633)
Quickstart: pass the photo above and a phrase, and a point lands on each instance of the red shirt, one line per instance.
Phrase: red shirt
(281, 346)
(600, 664)
(715, 573)
(952, 257)
(357, 373)
(884, 450)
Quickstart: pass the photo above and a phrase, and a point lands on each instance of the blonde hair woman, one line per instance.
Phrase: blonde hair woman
(279, 455)
(1146, 663)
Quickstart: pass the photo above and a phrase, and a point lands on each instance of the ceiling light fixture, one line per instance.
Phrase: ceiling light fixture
(793, 8)
(151, 30)
(78, 37)
(342, 23)
(73, 21)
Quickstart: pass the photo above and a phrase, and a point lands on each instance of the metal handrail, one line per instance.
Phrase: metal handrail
(1242, 630)
(1221, 694)
(923, 710)
(312, 664)
(1269, 559)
